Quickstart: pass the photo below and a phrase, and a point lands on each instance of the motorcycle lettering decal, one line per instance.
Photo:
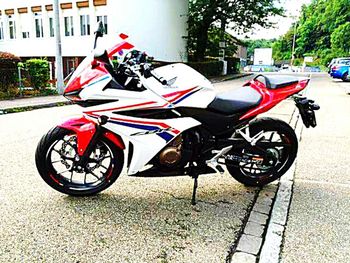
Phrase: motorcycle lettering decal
(161, 129)
(152, 132)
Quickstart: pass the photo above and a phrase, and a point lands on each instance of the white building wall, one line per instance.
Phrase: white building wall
(158, 27)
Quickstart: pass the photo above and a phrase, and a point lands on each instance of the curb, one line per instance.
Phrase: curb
(263, 233)
(238, 77)
(34, 107)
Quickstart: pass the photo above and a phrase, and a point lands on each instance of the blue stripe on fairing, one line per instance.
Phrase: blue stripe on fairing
(164, 135)
(97, 81)
(186, 96)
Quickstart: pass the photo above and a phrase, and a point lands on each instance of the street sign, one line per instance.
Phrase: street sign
(222, 44)
(308, 59)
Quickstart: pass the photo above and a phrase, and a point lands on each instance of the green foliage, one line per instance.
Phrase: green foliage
(214, 39)
(8, 74)
(39, 72)
(207, 68)
(340, 38)
(259, 43)
(240, 15)
(233, 65)
(323, 31)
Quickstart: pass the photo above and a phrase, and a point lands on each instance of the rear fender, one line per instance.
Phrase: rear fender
(85, 129)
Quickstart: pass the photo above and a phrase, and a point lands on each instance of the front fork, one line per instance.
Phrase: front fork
(88, 134)
(84, 158)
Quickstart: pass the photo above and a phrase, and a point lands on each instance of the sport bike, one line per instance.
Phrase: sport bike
(167, 121)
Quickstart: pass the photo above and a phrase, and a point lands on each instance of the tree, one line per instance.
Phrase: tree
(240, 15)
(323, 31)
(340, 39)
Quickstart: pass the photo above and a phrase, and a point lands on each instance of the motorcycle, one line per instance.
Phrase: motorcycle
(167, 121)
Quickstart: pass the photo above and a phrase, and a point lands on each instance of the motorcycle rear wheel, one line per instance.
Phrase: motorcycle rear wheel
(55, 159)
(275, 132)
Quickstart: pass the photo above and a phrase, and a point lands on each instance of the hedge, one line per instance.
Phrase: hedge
(207, 68)
(39, 72)
(8, 74)
(233, 65)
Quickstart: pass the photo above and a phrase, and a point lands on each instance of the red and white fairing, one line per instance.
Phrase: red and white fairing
(148, 136)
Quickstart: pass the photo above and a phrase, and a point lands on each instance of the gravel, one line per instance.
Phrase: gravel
(135, 220)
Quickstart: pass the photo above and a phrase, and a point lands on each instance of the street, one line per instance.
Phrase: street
(318, 226)
(152, 220)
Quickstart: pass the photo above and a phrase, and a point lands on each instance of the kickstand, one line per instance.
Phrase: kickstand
(195, 185)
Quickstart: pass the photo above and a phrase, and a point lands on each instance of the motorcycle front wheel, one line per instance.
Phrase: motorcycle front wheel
(56, 160)
(279, 145)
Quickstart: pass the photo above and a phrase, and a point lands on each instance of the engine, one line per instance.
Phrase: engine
(171, 155)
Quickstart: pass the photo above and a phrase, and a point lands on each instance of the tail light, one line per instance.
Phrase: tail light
(335, 67)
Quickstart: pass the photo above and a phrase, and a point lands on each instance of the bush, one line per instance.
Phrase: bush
(39, 72)
(207, 68)
(233, 65)
(8, 74)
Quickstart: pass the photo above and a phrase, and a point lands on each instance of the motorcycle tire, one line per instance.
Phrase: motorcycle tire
(285, 156)
(57, 150)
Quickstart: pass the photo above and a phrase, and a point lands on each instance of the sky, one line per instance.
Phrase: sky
(292, 8)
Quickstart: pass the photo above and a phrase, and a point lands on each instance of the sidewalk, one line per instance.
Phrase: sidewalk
(24, 104)
(318, 224)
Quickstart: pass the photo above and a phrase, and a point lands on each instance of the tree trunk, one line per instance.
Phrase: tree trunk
(202, 42)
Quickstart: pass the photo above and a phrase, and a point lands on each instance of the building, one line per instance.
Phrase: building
(241, 53)
(158, 27)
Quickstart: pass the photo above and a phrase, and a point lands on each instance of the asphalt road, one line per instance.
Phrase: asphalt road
(135, 220)
(318, 227)
(140, 219)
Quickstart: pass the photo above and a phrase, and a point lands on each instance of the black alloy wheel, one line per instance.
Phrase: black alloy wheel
(272, 156)
(57, 162)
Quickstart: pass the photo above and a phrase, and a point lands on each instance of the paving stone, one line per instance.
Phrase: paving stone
(257, 217)
(254, 229)
(262, 208)
(271, 247)
(280, 208)
(270, 193)
(241, 257)
(249, 244)
(264, 200)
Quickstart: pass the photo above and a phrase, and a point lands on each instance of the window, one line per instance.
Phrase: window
(85, 25)
(12, 28)
(51, 25)
(68, 26)
(104, 20)
(39, 31)
(25, 34)
(1, 30)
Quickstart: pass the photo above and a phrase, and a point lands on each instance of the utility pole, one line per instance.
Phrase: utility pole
(59, 68)
(293, 47)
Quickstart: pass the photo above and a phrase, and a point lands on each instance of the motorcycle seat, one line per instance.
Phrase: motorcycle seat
(234, 101)
(278, 81)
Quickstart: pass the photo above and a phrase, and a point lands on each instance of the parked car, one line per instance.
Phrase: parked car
(286, 68)
(341, 71)
(312, 69)
(336, 61)
(262, 68)
(247, 68)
